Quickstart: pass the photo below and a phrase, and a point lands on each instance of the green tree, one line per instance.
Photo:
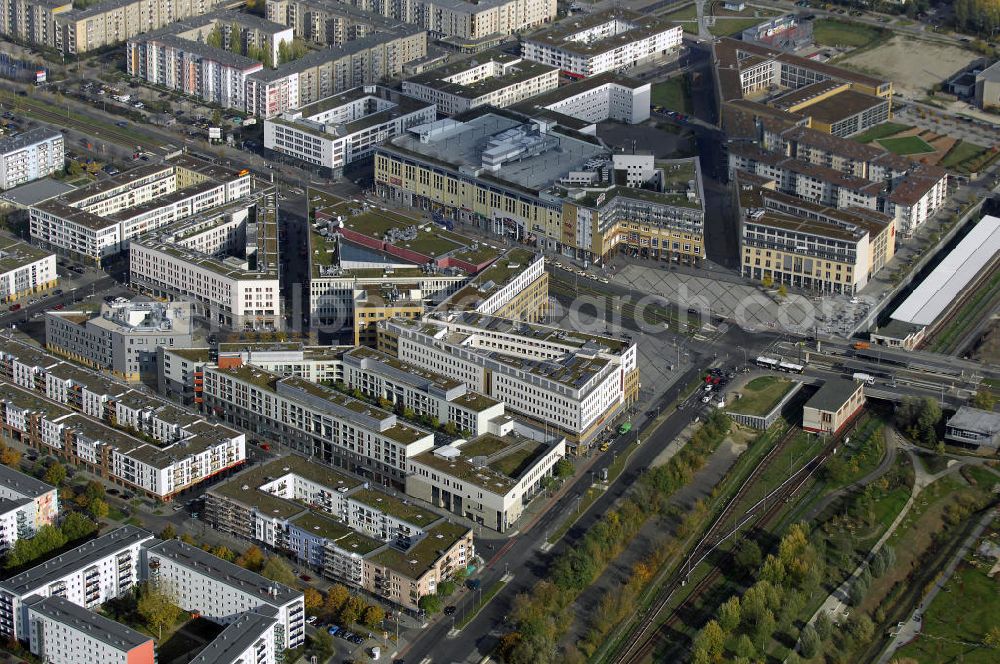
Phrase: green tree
(984, 399)
(861, 628)
(372, 615)
(278, 570)
(430, 604)
(446, 588)
(215, 37)
(782, 290)
(767, 281)
(76, 526)
(711, 639)
(99, 509)
(94, 490)
(235, 39)
(216, 118)
(744, 647)
(730, 613)
(168, 532)
(992, 638)
(351, 611)
(323, 642)
(55, 474)
(158, 606)
(563, 468)
(824, 626)
(749, 556)
(810, 641)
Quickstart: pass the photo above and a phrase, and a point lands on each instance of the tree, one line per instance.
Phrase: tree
(93, 491)
(10, 456)
(351, 611)
(323, 642)
(278, 570)
(563, 468)
(508, 642)
(446, 588)
(187, 539)
(235, 39)
(55, 474)
(224, 552)
(744, 647)
(372, 615)
(313, 600)
(811, 642)
(99, 509)
(861, 628)
(430, 604)
(749, 556)
(782, 290)
(76, 526)
(711, 639)
(168, 532)
(983, 399)
(157, 606)
(767, 281)
(729, 614)
(336, 597)
(252, 559)
(992, 639)
(824, 626)
(215, 37)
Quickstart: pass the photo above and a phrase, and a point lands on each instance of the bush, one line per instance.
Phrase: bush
(430, 604)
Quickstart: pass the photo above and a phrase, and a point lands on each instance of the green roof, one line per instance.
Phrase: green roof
(15, 254)
(420, 557)
(395, 507)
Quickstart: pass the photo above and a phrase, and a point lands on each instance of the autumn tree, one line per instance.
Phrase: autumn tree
(55, 474)
(224, 552)
(252, 559)
(351, 611)
(336, 597)
(372, 615)
(99, 509)
(10, 456)
(168, 532)
(313, 599)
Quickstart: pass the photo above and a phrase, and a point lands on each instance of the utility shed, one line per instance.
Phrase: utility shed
(833, 406)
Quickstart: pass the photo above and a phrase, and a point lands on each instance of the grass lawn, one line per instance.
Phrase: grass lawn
(884, 130)
(829, 32)
(906, 145)
(686, 13)
(726, 27)
(961, 152)
(672, 94)
(961, 613)
(760, 395)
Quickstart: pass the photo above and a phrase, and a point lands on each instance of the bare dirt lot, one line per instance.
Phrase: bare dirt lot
(913, 65)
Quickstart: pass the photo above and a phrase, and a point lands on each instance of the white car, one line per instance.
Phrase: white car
(706, 399)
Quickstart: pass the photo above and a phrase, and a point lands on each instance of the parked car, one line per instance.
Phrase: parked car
(450, 610)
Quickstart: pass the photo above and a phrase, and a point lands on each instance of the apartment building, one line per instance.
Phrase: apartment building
(104, 568)
(345, 128)
(61, 632)
(115, 21)
(222, 591)
(25, 270)
(31, 155)
(795, 242)
(464, 25)
(331, 427)
(567, 381)
(545, 186)
(477, 480)
(72, 413)
(610, 40)
(328, 22)
(26, 504)
(607, 96)
(31, 21)
(252, 638)
(224, 261)
(97, 221)
(494, 78)
(122, 338)
(336, 524)
(330, 71)
(514, 286)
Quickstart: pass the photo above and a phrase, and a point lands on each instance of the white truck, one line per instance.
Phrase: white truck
(867, 379)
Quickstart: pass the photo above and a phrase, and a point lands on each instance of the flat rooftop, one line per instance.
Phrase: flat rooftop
(14, 254)
(421, 557)
(841, 106)
(563, 34)
(461, 149)
(490, 462)
(35, 192)
(241, 634)
(518, 70)
(92, 624)
(403, 510)
(493, 278)
(833, 394)
(66, 563)
(224, 572)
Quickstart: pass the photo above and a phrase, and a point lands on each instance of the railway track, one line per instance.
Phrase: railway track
(643, 639)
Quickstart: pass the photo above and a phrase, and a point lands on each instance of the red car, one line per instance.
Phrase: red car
(14, 307)
(59, 306)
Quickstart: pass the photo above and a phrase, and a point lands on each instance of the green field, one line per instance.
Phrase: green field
(958, 618)
(686, 13)
(906, 145)
(672, 94)
(726, 27)
(829, 32)
(884, 130)
(961, 152)
(760, 395)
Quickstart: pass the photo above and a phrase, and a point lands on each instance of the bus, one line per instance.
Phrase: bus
(767, 362)
(788, 367)
(867, 379)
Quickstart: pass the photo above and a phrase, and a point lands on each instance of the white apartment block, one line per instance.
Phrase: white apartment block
(26, 504)
(89, 575)
(224, 261)
(569, 380)
(61, 632)
(122, 338)
(314, 420)
(25, 270)
(455, 477)
(222, 591)
(495, 78)
(607, 96)
(211, 74)
(29, 156)
(252, 638)
(425, 393)
(611, 40)
(97, 221)
(345, 128)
